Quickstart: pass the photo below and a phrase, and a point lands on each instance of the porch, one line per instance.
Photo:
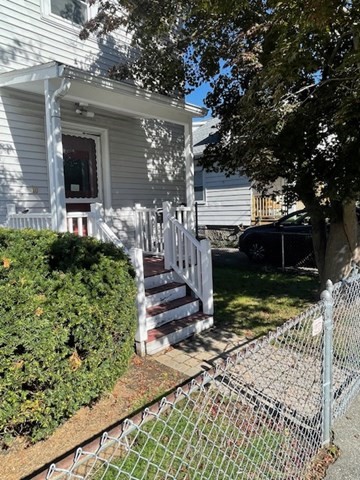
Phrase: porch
(173, 269)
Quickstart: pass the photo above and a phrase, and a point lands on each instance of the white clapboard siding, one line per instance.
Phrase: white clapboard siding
(23, 164)
(227, 200)
(27, 38)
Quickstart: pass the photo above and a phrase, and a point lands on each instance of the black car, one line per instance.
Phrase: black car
(287, 241)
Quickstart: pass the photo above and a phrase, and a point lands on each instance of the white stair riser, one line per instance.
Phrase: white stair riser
(173, 314)
(175, 337)
(161, 279)
(166, 296)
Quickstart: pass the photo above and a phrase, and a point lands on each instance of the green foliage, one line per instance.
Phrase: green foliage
(67, 323)
(285, 84)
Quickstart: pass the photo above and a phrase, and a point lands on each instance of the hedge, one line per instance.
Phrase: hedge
(67, 326)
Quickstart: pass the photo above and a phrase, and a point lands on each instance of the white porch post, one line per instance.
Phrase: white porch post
(167, 235)
(141, 331)
(53, 94)
(189, 159)
(207, 277)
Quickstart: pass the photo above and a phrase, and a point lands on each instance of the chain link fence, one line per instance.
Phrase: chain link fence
(264, 413)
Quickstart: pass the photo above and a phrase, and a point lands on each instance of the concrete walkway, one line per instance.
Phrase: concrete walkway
(200, 352)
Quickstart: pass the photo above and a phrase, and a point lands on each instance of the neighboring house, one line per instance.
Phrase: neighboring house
(222, 201)
(225, 203)
(73, 140)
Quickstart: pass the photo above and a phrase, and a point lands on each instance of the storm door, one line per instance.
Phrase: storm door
(81, 172)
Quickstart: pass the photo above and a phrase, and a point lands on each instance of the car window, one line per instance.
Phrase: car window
(296, 219)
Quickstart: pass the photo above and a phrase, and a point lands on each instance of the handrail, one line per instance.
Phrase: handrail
(105, 234)
(189, 258)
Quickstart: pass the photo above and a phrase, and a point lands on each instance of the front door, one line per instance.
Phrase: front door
(81, 171)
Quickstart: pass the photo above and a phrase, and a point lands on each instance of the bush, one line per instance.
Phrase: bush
(67, 324)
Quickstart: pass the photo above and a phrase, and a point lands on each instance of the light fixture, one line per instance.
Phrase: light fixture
(82, 109)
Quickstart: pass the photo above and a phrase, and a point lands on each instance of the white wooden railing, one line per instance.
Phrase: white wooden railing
(149, 230)
(36, 221)
(190, 258)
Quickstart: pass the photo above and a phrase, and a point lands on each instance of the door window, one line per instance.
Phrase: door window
(80, 167)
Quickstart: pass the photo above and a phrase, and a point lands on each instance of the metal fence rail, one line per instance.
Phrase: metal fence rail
(264, 413)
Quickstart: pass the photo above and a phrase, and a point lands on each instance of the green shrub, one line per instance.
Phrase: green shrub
(67, 324)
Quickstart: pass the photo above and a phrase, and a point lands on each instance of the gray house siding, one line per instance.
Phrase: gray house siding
(227, 200)
(23, 165)
(29, 37)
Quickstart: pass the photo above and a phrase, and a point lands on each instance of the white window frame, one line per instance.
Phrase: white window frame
(198, 169)
(63, 22)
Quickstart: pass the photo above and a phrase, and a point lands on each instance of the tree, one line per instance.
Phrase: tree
(285, 79)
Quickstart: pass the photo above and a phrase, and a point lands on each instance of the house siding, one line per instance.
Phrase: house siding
(23, 165)
(227, 200)
(29, 38)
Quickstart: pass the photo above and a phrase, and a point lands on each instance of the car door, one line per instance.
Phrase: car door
(296, 240)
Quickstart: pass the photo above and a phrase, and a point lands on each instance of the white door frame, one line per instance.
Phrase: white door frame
(101, 137)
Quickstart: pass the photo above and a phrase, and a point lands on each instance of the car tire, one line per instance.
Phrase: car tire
(256, 252)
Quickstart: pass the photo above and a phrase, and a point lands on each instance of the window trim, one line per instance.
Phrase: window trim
(61, 22)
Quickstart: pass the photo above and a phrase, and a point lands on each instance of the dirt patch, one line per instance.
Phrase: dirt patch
(145, 381)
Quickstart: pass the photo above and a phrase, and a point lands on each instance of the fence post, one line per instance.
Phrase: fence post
(167, 235)
(327, 297)
(136, 256)
(206, 277)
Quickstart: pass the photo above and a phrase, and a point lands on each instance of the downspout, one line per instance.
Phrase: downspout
(55, 151)
(189, 161)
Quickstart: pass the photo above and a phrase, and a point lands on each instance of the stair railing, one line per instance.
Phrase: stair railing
(189, 258)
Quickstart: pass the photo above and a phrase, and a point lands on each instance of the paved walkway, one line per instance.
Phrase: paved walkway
(200, 352)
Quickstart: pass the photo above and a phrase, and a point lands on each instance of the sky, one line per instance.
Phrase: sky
(198, 95)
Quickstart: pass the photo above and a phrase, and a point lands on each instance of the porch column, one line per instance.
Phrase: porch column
(53, 93)
(189, 159)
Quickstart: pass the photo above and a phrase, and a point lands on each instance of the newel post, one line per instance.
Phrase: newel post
(168, 247)
(207, 277)
(93, 230)
(136, 255)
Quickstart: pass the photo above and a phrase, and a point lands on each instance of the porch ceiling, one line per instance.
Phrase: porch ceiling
(102, 92)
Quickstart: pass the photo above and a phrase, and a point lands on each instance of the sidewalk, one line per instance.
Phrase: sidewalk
(347, 438)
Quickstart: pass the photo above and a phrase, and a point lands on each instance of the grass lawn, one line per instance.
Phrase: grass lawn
(250, 301)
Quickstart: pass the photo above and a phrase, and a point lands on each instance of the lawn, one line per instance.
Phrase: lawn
(250, 301)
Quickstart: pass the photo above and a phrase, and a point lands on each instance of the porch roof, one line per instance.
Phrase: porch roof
(102, 92)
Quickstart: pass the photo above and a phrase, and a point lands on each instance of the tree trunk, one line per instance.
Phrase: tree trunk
(342, 247)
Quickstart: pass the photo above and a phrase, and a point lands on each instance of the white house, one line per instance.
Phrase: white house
(80, 151)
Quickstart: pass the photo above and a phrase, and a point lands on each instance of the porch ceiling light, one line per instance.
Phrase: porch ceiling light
(82, 109)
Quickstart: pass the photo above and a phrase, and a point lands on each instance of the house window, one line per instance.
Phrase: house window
(73, 10)
(68, 12)
(199, 185)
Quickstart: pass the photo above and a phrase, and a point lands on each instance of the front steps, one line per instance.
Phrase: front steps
(172, 314)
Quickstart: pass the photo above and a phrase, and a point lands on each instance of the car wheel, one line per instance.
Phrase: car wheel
(257, 252)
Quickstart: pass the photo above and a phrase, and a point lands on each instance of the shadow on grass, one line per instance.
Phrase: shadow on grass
(250, 301)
